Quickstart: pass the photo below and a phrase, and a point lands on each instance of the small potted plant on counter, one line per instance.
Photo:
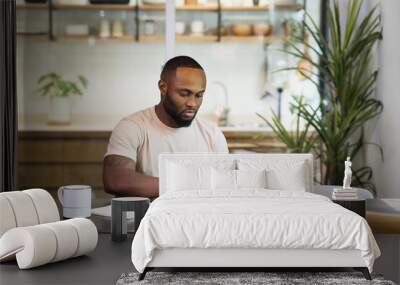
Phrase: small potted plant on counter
(59, 91)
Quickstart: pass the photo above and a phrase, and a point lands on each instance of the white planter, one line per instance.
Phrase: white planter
(60, 110)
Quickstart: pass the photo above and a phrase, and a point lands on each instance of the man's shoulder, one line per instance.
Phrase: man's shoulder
(207, 125)
(215, 135)
(139, 116)
(134, 122)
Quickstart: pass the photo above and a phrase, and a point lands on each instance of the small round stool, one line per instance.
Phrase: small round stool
(119, 207)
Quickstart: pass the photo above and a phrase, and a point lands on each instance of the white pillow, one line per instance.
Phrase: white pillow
(251, 178)
(285, 174)
(181, 177)
(293, 179)
(223, 179)
(228, 179)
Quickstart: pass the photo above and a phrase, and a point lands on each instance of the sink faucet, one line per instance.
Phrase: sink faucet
(223, 110)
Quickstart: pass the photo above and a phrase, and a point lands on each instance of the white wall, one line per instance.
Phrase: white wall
(386, 130)
(123, 75)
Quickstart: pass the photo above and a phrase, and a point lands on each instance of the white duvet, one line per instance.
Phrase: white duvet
(252, 218)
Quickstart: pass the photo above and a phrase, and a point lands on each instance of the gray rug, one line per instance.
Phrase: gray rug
(270, 278)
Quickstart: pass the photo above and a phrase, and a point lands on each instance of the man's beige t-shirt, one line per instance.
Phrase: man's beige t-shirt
(142, 137)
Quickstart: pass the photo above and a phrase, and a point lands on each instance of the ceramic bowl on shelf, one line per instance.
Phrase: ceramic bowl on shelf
(117, 28)
(230, 3)
(153, 2)
(197, 27)
(191, 2)
(104, 29)
(262, 29)
(149, 27)
(285, 2)
(241, 29)
(180, 27)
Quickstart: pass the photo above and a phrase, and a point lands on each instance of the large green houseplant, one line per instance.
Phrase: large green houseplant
(347, 100)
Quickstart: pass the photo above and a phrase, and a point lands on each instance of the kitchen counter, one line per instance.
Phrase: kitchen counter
(54, 155)
(107, 123)
(78, 123)
(50, 156)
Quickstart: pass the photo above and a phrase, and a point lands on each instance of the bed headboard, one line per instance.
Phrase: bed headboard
(221, 159)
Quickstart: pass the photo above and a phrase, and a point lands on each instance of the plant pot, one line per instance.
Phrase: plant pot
(60, 110)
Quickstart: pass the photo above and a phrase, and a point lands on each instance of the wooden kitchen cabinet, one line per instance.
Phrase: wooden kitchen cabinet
(50, 159)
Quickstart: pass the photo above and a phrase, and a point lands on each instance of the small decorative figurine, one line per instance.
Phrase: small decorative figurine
(347, 174)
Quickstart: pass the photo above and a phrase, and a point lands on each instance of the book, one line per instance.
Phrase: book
(339, 197)
(345, 198)
(339, 190)
(345, 194)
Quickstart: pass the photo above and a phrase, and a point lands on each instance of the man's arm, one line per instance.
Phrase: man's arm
(120, 178)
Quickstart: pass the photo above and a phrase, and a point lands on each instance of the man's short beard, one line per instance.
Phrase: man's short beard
(171, 111)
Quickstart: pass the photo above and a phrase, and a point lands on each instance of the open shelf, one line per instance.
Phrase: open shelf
(151, 38)
(294, 7)
(95, 6)
(214, 7)
(200, 38)
(180, 38)
(211, 7)
(212, 38)
(36, 36)
(32, 6)
(205, 7)
(253, 38)
(76, 6)
(158, 38)
(95, 37)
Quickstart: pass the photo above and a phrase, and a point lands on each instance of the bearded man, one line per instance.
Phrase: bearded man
(130, 166)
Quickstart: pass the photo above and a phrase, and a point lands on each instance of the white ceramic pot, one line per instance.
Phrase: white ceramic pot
(149, 27)
(105, 30)
(60, 110)
(180, 28)
(197, 27)
(117, 28)
(284, 2)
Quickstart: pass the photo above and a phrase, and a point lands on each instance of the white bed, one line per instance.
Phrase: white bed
(198, 222)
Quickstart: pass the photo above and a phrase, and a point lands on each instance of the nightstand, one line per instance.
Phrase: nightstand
(357, 206)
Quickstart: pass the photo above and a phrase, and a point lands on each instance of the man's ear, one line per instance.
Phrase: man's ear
(163, 87)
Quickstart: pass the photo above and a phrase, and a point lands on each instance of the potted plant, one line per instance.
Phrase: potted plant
(347, 99)
(59, 91)
(301, 139)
